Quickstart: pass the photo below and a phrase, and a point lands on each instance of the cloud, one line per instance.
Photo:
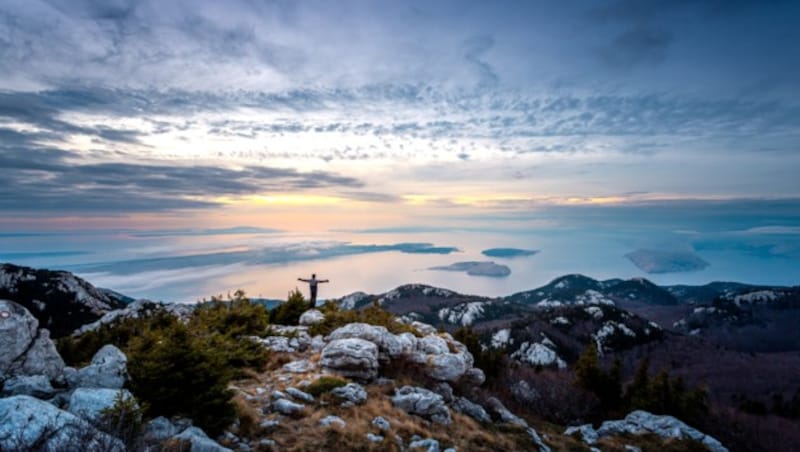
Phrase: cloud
(53, 180)
(274, 254)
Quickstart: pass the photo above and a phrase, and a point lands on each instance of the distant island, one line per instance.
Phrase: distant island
(473, 268)
(508, 252)
(653, 261)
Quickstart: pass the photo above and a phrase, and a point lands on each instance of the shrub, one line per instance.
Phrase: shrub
(177, 373)
(235, 317)
(324, 384)
(490, 360)
(289, 312)
(373, 315)
(122, 420)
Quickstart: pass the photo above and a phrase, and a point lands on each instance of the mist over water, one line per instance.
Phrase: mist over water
(188, 267)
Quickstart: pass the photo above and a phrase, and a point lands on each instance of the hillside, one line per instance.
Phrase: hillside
(426, 367)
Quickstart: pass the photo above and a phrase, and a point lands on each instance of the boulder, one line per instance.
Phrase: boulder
(474, 376)
(89, 403)
(471, 409)
(311, 317)
(587, 433)
(288, 408)
(27, 423)
(446, 367)
(373, 438)
(33, 385)
(108, 369)
(299, 395)
(422, 402)
(351, 357)
(433, 344)
(26, 349)
(351, 393)
(503, 413)
(428, 445)
(381, 423)
(299, 367)
(327, 421)
(158, 430)
(537, 440)
(639, 422)
(423, 328)
(200, 441)
(387, 343)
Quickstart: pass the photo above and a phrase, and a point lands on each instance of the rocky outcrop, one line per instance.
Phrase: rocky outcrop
(89, 403)
(60, 301)
(388, 343)
(26, 349)
(311, 317)
(471, 409)
(640, 422)
(422, 402)
(351, 357)
(27, 423)
(33, 385)
(200, 442)
(351, 393)
(136, 310)
(108, 369)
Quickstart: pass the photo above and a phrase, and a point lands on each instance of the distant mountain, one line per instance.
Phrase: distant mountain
(61, 301)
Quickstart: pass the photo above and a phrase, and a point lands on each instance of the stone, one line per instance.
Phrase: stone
(200, 441)
(299, 367)
(433, 344)
(446, 367)
(537, 440)
(444, 390)
(26, 349)
(311, 317)
(381, 423)
(523, 392)
(27, 423)
(351, 357)
(423, 328)
(33, 385)
(278, 395)
(108, 369)
(318, 343)
(474, 376)
(587, 433)
(471, 409)
(327, 421)
(373, 438)
(505, 415)
(299, 395)
(387, 343)
(429, 445)
(269, 423)
(288, 408)
(158, 430)
(422, 402)
(351, 393)
(89, 403)
(639, 422)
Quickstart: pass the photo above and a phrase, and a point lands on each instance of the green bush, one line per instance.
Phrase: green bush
(490, 361)
(324, 384)
(178, 373)
(235, 317)
(184, 369)
(373, 315)
(289, 312)
(122, 420)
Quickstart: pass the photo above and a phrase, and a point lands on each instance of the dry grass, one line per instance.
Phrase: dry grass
(306, 434)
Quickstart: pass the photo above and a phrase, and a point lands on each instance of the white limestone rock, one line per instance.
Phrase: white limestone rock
(108, 369)
(33, 385)
(311, 317)
(422, 402)
(27, 423)
(351, 357)
(89, 403)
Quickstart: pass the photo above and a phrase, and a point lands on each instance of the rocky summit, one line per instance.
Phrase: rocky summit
(564, 367)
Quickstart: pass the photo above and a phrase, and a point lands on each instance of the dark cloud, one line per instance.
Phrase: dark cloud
(52, 180)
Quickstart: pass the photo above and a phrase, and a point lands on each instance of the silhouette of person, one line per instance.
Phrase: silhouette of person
(312, 285)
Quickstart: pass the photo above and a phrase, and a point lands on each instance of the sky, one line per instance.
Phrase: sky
(408, 117)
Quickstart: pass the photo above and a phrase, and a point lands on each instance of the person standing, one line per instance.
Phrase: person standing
(312, 285)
